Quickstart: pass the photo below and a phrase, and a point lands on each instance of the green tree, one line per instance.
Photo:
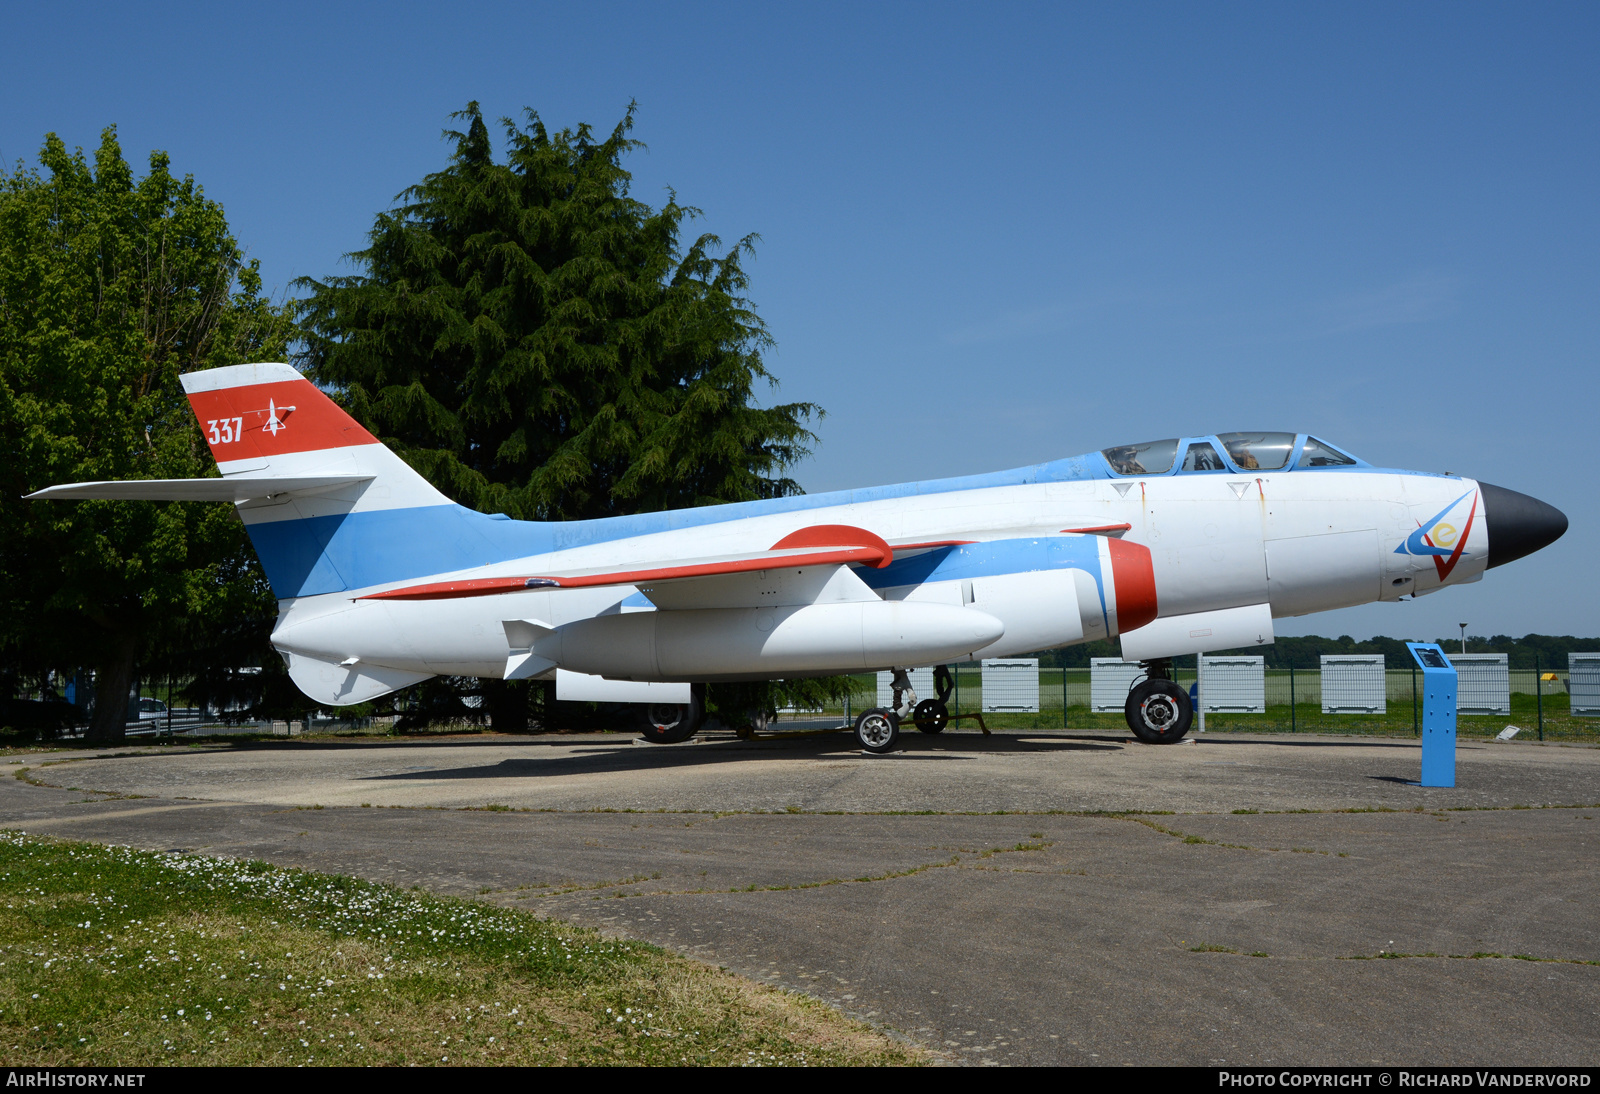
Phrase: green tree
(110, 287)
(537, 342)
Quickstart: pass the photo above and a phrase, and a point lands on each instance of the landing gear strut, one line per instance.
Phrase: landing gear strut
(932, 715)
(673, 723)
(1158, 710)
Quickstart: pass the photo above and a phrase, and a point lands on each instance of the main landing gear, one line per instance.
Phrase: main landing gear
(673, 723)
(878, 728)
(932, 715)
(1158, 710)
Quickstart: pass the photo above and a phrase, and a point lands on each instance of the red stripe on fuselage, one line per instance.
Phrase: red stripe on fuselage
(1098, 529)
(448, 590)
(255, 421)
(1133, 573)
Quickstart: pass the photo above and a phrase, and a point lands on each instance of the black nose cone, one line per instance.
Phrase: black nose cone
(1518, 525)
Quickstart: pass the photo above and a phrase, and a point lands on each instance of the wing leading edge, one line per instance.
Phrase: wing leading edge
(241, 488)
(829, 545)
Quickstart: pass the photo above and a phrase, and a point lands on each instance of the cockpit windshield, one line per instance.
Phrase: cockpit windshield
(1149, 458)
(1258, 451)
(1321, 454)
(1203, 457)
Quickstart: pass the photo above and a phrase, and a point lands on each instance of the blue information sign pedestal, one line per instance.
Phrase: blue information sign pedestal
(1438, 714)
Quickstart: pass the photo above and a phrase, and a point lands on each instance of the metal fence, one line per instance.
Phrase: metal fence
(1336, 695)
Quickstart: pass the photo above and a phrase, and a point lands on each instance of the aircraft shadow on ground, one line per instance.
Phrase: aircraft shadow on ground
(1394, 779)
(1280, 742)
(610, 758)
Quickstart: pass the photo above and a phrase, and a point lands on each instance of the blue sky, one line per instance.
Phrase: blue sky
(993, 234)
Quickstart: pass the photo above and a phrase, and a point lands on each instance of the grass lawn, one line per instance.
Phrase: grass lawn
(115, 957)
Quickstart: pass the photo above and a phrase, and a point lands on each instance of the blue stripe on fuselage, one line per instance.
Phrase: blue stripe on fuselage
(331, 554)
(1003, 556)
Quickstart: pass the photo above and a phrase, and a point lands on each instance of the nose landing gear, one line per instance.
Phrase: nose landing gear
(1158, 710)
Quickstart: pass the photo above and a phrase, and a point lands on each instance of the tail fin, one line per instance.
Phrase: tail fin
(379, 522)
(255, 414)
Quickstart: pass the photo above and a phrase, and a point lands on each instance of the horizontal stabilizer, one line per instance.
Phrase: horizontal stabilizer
(241, 488)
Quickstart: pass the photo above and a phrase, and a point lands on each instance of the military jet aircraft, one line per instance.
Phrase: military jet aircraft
(1177, 546)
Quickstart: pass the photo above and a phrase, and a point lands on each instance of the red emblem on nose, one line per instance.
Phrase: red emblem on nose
(1444, 566)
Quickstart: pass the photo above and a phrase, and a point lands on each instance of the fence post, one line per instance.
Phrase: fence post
(1415, 731)
(1291, 696)
(1538, 694)
(1064, 697)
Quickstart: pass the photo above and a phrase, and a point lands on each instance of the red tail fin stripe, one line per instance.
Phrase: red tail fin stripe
(263, 420)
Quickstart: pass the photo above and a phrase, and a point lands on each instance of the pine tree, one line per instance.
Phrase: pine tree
(537, 342)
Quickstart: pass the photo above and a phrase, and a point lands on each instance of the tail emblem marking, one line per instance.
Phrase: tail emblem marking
(274, 422)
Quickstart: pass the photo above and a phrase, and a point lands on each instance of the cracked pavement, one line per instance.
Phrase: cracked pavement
(1063, 930)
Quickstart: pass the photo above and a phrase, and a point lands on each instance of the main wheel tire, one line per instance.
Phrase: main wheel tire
(673, 723)
(1158, 712)
(931, 716)
(877, 730)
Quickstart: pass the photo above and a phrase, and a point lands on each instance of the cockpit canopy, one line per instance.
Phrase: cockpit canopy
(1227, 452)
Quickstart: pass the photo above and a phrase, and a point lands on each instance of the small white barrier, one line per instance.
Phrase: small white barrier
(1354, 683)
(1110, 680)
(1011, 686)
(1235, 685)
(1483, 683)
(1583, 684)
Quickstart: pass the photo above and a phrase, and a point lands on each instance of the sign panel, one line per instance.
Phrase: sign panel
(1438, 714)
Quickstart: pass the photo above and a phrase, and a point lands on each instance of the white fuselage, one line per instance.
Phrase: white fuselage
(1296, 542)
